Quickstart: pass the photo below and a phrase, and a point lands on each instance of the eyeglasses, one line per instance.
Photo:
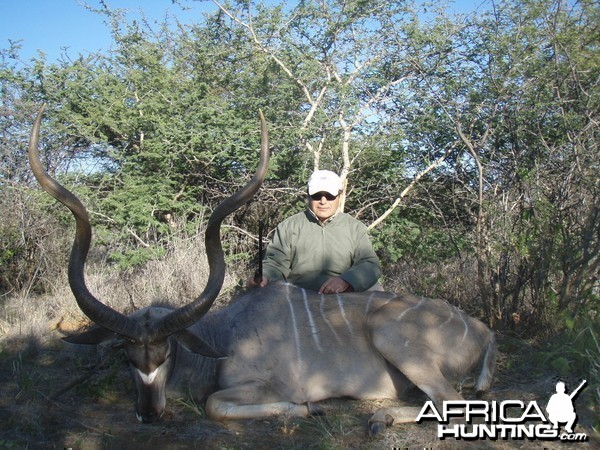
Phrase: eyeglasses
(319, 195)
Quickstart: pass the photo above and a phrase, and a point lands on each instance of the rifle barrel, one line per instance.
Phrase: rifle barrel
(258, 275)
(574, 393)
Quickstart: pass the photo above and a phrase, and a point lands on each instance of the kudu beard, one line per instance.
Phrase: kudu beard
(493, 420)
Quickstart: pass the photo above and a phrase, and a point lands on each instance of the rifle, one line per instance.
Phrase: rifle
(258, 275)
(576, 391)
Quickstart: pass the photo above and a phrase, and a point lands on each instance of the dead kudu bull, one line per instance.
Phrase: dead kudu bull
(280, 348)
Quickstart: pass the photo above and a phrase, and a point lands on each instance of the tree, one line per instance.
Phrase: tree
(515, 95)
(346, 64)
(488, 121)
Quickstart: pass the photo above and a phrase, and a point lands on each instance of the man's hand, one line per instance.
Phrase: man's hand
(335, 285)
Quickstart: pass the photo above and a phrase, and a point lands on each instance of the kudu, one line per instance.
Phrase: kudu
(281, 348)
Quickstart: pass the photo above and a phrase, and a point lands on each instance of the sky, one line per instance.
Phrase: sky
(51, 26)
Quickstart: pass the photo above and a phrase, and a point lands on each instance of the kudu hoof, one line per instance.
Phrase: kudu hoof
(376, 426)
(314, 409)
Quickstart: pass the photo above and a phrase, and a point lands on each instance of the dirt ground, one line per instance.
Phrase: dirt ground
(53, 395)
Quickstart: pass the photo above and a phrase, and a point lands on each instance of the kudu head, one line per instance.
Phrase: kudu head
(149, 335)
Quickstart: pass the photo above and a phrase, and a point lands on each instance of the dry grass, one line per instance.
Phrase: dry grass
(174, 280)
(56, 395)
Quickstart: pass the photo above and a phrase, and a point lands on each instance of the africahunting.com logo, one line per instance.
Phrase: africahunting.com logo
(508, 419)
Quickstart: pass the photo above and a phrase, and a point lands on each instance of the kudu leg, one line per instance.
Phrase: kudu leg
(422, 370)
(251, 401)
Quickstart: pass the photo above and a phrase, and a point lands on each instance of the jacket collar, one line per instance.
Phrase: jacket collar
(313, 217)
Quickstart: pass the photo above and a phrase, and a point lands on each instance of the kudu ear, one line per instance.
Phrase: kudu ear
(196, 345)
(94, 336)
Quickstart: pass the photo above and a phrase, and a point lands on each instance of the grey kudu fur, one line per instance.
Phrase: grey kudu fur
(281, 348)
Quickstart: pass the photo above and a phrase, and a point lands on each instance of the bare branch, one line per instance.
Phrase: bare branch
(411, 185)
(266, 50)
(128, 229)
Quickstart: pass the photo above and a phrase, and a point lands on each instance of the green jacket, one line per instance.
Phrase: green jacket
(305, 252)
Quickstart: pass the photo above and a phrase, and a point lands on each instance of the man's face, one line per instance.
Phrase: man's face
(323, 205)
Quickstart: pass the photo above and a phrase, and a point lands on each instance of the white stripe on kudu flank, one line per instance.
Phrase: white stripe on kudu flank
(409, 309)
(343, 312)
(369, 302)
(295, 326)
(372, 296)
(451, 309)
(466, 327)
(313, 328)
(324, 317)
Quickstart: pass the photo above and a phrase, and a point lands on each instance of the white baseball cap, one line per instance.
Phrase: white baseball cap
(324, 181)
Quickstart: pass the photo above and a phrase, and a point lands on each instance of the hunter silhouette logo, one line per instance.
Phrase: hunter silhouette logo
(560, 407)
(507, 419)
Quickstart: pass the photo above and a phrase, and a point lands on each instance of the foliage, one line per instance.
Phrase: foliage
(576, 352)
(494, 114)
(30, 242)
